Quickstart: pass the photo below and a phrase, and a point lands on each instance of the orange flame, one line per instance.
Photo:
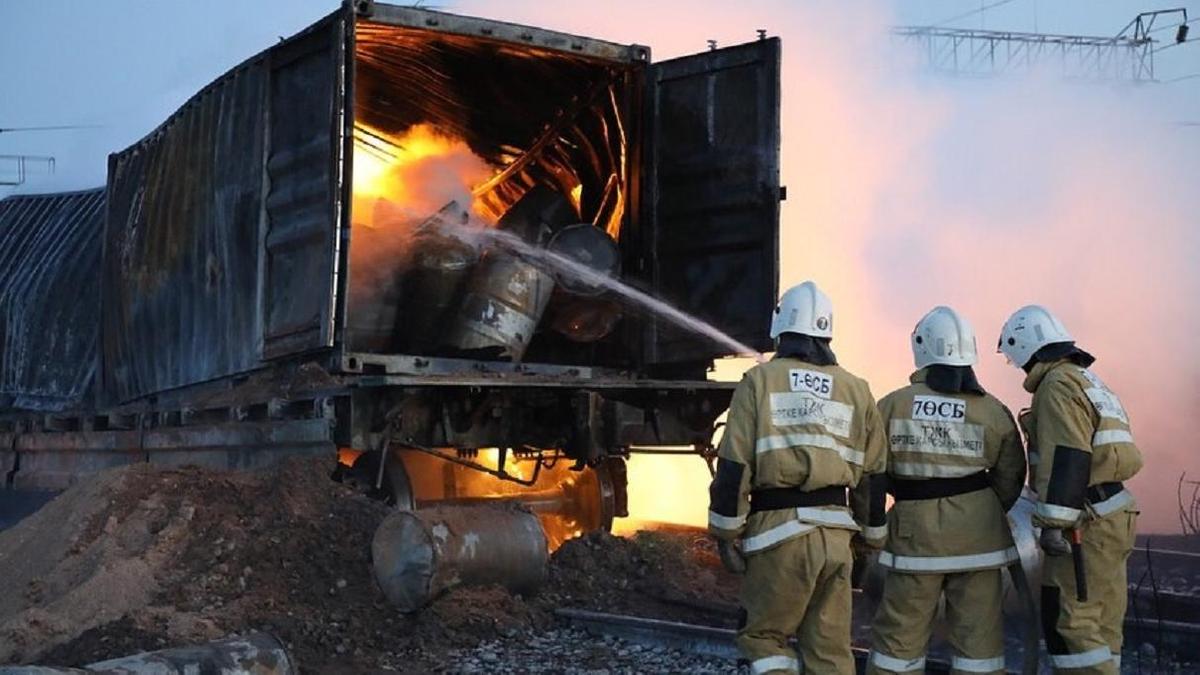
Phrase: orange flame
(665, 489)
(417, 173)
(673, 489)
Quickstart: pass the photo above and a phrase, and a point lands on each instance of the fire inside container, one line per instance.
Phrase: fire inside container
(526, 140)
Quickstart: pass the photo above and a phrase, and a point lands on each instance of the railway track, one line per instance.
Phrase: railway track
(1163, 552)
(704, 640)
(1181, 639)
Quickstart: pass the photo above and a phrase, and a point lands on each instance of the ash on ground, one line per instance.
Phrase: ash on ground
(143, 558)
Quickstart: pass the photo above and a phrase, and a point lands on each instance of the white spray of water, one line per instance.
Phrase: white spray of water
(476, 234)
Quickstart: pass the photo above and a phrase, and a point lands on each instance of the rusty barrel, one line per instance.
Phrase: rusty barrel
(505, 299)
(506, 294)
(418, 555)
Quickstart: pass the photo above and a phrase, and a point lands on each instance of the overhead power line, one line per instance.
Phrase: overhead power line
(1175, 44)
(48, 128)
(967, 15)
(1174, 26)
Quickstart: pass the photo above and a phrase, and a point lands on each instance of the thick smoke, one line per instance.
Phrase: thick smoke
(905, 192)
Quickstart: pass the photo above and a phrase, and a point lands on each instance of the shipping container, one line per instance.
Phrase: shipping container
(270, 281)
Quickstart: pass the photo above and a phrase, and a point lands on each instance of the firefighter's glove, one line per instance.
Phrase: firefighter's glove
(1053, 542)
(731, 556)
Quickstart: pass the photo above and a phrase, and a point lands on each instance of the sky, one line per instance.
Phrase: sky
(905, 190)
(124, 65)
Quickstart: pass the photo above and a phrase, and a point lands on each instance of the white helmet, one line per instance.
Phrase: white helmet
(1028, 330)
(943, 337)
(803, 309)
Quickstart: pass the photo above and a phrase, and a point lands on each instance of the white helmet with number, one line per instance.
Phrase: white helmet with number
(943, 337)
(803, 309)
(1028, 330)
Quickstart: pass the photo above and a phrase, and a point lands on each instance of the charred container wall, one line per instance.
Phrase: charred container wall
(222, 233)
(49, 299)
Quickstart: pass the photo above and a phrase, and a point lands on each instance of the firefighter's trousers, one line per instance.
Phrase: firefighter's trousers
(1085, 637)
(906, 614)
(800, 588)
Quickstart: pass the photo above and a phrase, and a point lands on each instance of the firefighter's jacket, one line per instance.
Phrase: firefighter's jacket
(793, 424)
(935, 436)
(1079, 438)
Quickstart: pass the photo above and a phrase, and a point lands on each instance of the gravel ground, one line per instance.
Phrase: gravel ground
(578, 653)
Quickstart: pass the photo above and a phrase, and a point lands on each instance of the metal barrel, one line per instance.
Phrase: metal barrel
(591, 247)
(435, 286)
(581, 309)
(418, 555)
(504, 303)
(506, 295)
(253, 654)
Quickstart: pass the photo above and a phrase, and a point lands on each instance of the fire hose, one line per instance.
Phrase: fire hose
(1029, 637)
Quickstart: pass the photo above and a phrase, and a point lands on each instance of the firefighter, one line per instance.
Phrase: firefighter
(1080, 451)
(801, 431)
(955, 466)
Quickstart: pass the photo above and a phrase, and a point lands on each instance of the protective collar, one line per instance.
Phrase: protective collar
(1064, 350)
(1045, 359)
(806, 348)
(948, 379)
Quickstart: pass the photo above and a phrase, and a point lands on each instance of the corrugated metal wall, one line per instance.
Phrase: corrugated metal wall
(303, 203)
(49, 298)
(185, 277)
(181, 267)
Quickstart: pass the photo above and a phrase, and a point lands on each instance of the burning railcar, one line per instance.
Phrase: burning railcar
(270, 282)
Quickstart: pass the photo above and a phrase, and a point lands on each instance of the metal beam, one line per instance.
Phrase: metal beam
(20, 164)
(967, 52)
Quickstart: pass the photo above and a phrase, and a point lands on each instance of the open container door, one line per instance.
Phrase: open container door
(712, 197)
(307, 98)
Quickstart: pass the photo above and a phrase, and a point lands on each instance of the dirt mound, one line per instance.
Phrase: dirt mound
(143, 558)
(670, 575)
(76, 564)
(153, 556)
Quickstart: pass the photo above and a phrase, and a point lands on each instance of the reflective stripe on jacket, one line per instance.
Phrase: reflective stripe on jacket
(793, 424)
(934, 435)
(1072, 408)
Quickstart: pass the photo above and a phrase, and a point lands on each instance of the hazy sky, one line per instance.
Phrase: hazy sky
(124, 65)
